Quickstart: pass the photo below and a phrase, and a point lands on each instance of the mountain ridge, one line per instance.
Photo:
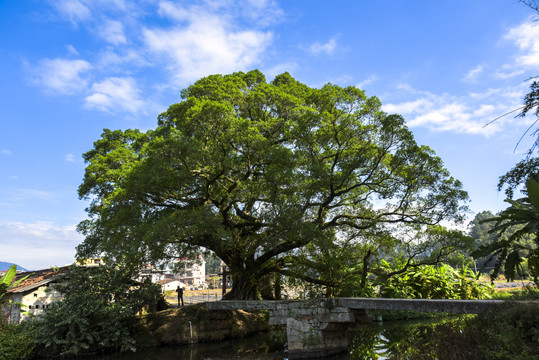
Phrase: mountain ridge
(4, 265)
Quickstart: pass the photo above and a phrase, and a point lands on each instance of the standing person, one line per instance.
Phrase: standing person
(180, 295)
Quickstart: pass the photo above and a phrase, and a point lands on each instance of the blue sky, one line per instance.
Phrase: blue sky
(73, 67)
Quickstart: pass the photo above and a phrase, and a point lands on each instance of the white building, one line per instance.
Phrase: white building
(170, 284)
(192, 273)
(35, 292)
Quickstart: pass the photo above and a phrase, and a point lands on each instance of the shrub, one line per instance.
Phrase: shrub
(436, 282)
(96, 313)
(15, 342)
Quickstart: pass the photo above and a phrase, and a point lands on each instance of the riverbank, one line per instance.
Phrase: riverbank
(195, 323)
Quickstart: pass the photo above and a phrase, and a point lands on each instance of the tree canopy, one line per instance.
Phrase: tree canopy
(255, 171)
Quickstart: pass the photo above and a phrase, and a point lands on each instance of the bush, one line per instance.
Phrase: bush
(96, 314)
(527, 293)
(15, 342)
(436, 282)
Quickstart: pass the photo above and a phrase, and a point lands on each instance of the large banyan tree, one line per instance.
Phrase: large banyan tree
(255, 171)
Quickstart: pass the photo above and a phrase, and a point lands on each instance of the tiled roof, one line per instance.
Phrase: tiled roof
(36, 278)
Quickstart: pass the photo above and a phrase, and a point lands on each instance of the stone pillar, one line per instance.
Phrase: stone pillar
(321, 334)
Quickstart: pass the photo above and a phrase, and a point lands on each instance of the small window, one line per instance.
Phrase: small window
(37, 306)
(35, 294)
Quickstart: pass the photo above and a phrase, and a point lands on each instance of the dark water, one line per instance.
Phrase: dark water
(426, 339)
(260, 346)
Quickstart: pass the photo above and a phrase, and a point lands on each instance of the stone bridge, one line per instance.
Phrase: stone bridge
(315, 328)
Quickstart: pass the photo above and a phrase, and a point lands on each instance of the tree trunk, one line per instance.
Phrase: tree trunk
(244, 287)
(365, 271)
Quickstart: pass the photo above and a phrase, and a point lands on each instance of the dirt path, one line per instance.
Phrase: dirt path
(511, 285)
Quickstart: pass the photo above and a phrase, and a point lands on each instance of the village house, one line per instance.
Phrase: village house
(186, 272)
(170, 284)
(193, 272)
(35, 292)
(153, 274)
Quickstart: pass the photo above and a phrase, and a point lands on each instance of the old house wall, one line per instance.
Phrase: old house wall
(9, 311)
(39, 299)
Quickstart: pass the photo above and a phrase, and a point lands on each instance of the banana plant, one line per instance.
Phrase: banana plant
(512, 251)
(6, 282)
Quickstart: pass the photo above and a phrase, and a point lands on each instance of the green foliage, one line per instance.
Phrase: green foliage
(531, 104)
(519, 174)
(436, 282)
(16, 342)
(509, 333)
(512, 250)
(255, 171)
(354, 266)
(480, 231)
(411, 340)
(6, 281)
(527, 293)
(96, 314)
(213, 263)
(278, 337)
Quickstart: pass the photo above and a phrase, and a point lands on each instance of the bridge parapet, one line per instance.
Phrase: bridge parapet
(424, 305)
(315, 328)
(279, 310)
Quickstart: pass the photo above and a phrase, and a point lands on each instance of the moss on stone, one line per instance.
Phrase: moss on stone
(198, 324)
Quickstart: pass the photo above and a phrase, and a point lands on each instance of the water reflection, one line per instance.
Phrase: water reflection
(260, 346)
(413, 340)
(416, 340)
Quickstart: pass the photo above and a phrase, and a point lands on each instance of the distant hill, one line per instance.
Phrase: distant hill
(6, 265)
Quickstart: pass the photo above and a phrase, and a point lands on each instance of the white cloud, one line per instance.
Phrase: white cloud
(5, 152)
(14, 197)
(372, 78)
(204, 43)
(114, 94)
(195, 40)
(89, 10)
(328, 47)
(112, 32)
(473, 74)
(38, 245)
(25, 193)
(280, 68)
(71, 50)
(409, 107)
(405, 87)
(263, 12)
(109, 57)
(70, 158)
(73, 10)
(526, 38)
(509, 71)
(171, 10)
(460, 114)
(62, 75)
